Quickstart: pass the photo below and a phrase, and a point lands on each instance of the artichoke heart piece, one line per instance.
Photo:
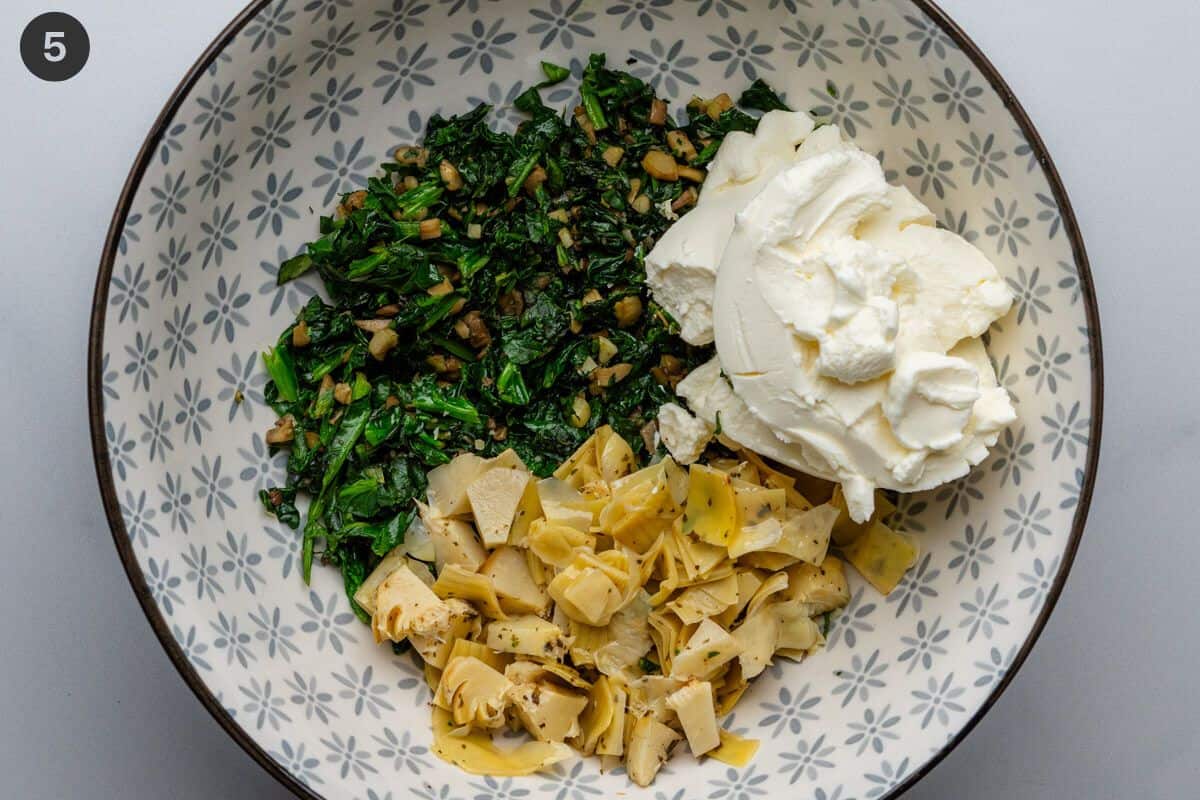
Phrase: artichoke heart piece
(473, 693)
(435, 644)
(764, 535)
(550, 713)
(528, 635)
(734, 750)
(587, 591)
(704, 600)
(627, 639)
(582, 465)
(806, 534)
(649, 744)
(556, 544)
(528, 511)
(799, 633)
(709, 647)
(822, 588)
(365, 594)
(612, 741)
(616, 458)
(756, 504)
(563, 504)
(711, 513)
(758, 638)
(693, 704)
(597, 716)
(454, 581)
(882, 556)
(475, 753)
(403, 603)
(454, 540)
(846, 530)
(447, 492)
(465, 647)
(495, 496)
(517, 591)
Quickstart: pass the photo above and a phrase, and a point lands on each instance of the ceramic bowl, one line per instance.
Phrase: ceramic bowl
(300, 100)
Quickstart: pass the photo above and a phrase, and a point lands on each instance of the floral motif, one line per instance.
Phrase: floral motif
(326, 621)
(931, 168)
(214, 487)
(396, 21)
(271, 79)
(218, 235)
(1039, 583)
(297, 763)
(202, 573)
(938, 701)
(344, 169)
(163, 584)
(275, 633)
(960, 493)
(983, 158)
(193, 649)
(130, 294)
(931, 36)
(741, 51)
(482, 44)
(862, 676)
(192, 407)
(1011, 455)
(790, 712)
(347, 757)
(811, 43)
(326, 8)
(900, 98)
(563, 20)
(807, 760)
(335, 45)
(874, 731)
(958, 95)
(243, 382)
(736, 785)
(665, 66)
(362, 689)
(924, 644)
(332, 103)
(873, 41)
(216, 170)
(274, 203)
(983, 613)
(226, 303)
(1049, 365)
(270, 25)
(180, 329)
(643, 12)
(406, 753)
(316, 703)
(916, 586)
(235, 642)
(841, 109)
(168, 199)
(405, 73)
(972, 552)
(216, 109)
(264, 706)
(270, 134)
(175, 502)
(851, 620)
(142, 355)
(155, 427)
(240, 561)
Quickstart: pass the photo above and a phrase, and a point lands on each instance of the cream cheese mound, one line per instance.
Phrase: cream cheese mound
(846, 323)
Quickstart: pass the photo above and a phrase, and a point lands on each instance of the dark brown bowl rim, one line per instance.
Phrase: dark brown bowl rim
(108, 490)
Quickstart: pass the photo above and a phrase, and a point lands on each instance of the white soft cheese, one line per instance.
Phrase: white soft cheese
(684, 435)
(682, 267)
(845, 321)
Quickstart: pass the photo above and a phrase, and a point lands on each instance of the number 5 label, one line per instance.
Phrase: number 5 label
(55, 46)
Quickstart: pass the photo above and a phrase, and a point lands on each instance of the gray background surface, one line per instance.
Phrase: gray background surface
(1105, 707)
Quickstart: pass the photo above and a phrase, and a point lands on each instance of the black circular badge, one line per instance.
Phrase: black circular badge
(54, 46)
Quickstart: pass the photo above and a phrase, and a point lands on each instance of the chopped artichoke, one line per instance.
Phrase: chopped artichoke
(495, 496)
(365, 594)
(694, 706)
(447, 492)
(649, 745)
(626, 639)
(734, 750)
(709, 647)
(528, 635)
(586, 593)
(563, 504)
(764, 535)
(768, 561)
(515, 587)
(454, 581)
(404, 603)
(435, 644)
(550, 713)
(756, 504)
(612, 741)
(757, 637)
(454, 541)
(846, 530)
(705, 599)
(465, 647)
(528, 511)
(475, 753)
(616, 459)
(711, 511)
(806, 534)
(882, 556)
(473, 693)
(556, 544)
(822, 588)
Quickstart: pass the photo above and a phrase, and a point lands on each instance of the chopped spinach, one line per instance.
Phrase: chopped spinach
(468, 287)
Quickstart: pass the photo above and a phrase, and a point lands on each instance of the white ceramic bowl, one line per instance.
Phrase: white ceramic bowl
(299, 100)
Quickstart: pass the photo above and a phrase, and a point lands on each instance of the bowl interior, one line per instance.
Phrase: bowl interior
(304, 102)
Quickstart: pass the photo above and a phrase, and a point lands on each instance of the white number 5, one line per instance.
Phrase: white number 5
(54, 49)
